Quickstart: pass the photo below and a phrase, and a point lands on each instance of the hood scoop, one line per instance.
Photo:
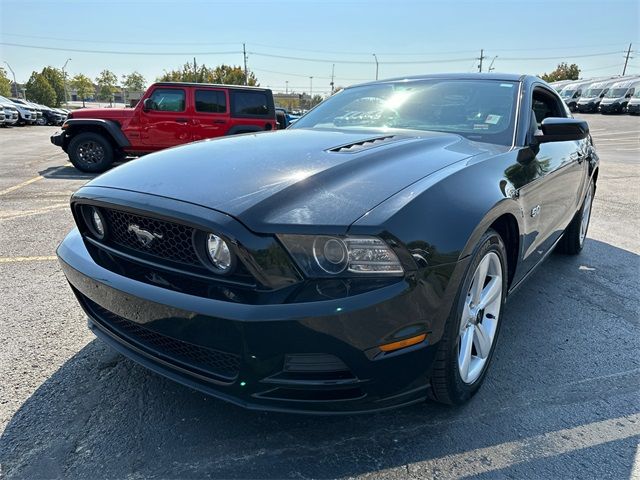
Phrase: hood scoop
(364, 144)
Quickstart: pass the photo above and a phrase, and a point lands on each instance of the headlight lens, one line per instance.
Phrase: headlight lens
(323, 255)
(219, 253)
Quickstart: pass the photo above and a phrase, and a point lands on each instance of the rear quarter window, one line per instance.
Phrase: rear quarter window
(250, 104)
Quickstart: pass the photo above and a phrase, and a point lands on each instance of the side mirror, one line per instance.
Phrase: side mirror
(628, 95)
(147, 105)
(556, 129)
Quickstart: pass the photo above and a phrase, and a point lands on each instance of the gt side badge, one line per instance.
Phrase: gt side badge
(535, 211)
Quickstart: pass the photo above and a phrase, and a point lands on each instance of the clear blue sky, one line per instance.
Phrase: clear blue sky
(446, 34)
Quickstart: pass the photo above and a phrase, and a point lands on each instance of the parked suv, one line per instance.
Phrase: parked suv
(10, 112)
(26, 114)
(168, 114)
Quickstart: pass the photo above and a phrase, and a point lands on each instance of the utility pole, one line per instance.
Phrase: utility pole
(244, 56)
(310, 92)
(482, 57)
(491, 64)
(286, 87)
(195, 70)
(64, 79)
(376, 58)
(15, 84)
(333, 71)
(626, 60)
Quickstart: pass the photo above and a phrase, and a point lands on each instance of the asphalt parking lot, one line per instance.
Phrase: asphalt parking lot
(562, 399)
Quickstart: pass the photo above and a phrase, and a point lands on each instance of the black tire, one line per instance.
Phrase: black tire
(573, 239)
(90, 152)
(447, 385)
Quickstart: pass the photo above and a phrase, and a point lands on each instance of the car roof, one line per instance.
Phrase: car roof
(218, 85)
(505, 77)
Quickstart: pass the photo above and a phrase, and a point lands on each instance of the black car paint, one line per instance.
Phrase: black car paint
(402, 198)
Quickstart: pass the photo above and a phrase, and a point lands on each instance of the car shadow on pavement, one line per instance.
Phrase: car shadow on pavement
(561, 396)
(67, 172)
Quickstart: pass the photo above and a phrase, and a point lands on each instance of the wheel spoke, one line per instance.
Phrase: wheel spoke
(482, 340)
(490, 293)
(464, 357)
(478, 280)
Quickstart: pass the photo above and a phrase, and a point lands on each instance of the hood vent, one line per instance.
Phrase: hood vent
(363, 145)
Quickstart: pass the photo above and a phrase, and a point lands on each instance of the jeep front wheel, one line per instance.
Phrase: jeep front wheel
(90, 152)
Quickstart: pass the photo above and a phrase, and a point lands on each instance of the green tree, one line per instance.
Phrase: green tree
(107, 84)
(56, 79)
(5, 83)
(316, 100)
(231, 75)
(83, 85)
(134, 82)
(562, 72)
(39, 90)
(225, 74)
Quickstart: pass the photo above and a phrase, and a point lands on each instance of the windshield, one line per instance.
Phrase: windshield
(481, 110)
(637, 94)
(593, 92)
(567, 93)
(616, 92)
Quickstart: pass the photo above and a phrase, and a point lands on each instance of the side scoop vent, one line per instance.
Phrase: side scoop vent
(363, 145)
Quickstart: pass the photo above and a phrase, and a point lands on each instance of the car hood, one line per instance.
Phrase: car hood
(273, 180)
(103, 113)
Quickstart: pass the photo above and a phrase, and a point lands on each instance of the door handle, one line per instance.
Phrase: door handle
(182, 120)
(219, 121)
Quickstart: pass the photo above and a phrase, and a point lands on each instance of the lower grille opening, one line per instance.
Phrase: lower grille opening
(293, 394)
(207, 362)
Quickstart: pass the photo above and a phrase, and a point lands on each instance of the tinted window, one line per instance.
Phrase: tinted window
(482, 110)
(167, 100)
(211, 101)
(250, 103)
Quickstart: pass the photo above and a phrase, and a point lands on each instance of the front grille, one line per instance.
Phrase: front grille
(173, 241)
(204, 360)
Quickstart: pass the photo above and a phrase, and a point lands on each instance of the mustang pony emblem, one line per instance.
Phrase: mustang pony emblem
(145, 237)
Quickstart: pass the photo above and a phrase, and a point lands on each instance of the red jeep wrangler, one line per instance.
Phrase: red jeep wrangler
(168, 114)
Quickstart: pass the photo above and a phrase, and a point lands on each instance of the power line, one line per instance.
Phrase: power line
(290, 48)
(359, 62)
(116, 52)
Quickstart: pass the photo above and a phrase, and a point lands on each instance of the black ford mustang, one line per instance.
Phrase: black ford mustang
(357, 261)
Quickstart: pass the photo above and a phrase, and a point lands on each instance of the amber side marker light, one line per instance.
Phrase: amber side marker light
(407, 342)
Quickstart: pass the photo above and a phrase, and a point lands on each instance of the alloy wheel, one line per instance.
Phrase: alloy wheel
(90, 152)
(479, 322)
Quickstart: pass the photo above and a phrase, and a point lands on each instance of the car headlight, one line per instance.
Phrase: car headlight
(219, 253)
(324, 255)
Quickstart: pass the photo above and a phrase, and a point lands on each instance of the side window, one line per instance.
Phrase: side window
(211, 101)
(249, 103)
(168, 100)
(546, 105)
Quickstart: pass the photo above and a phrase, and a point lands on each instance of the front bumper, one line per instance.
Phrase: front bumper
(611, 107)
(633, 108)
(587, 107)
(247, 354)
(58, 139)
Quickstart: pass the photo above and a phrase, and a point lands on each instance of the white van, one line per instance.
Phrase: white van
(572, 92)
(618, 96)
(593, 95)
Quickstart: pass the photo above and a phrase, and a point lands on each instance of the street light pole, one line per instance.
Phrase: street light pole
(15, 84)
(64, 79)
(376, 58)
(310, 92)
